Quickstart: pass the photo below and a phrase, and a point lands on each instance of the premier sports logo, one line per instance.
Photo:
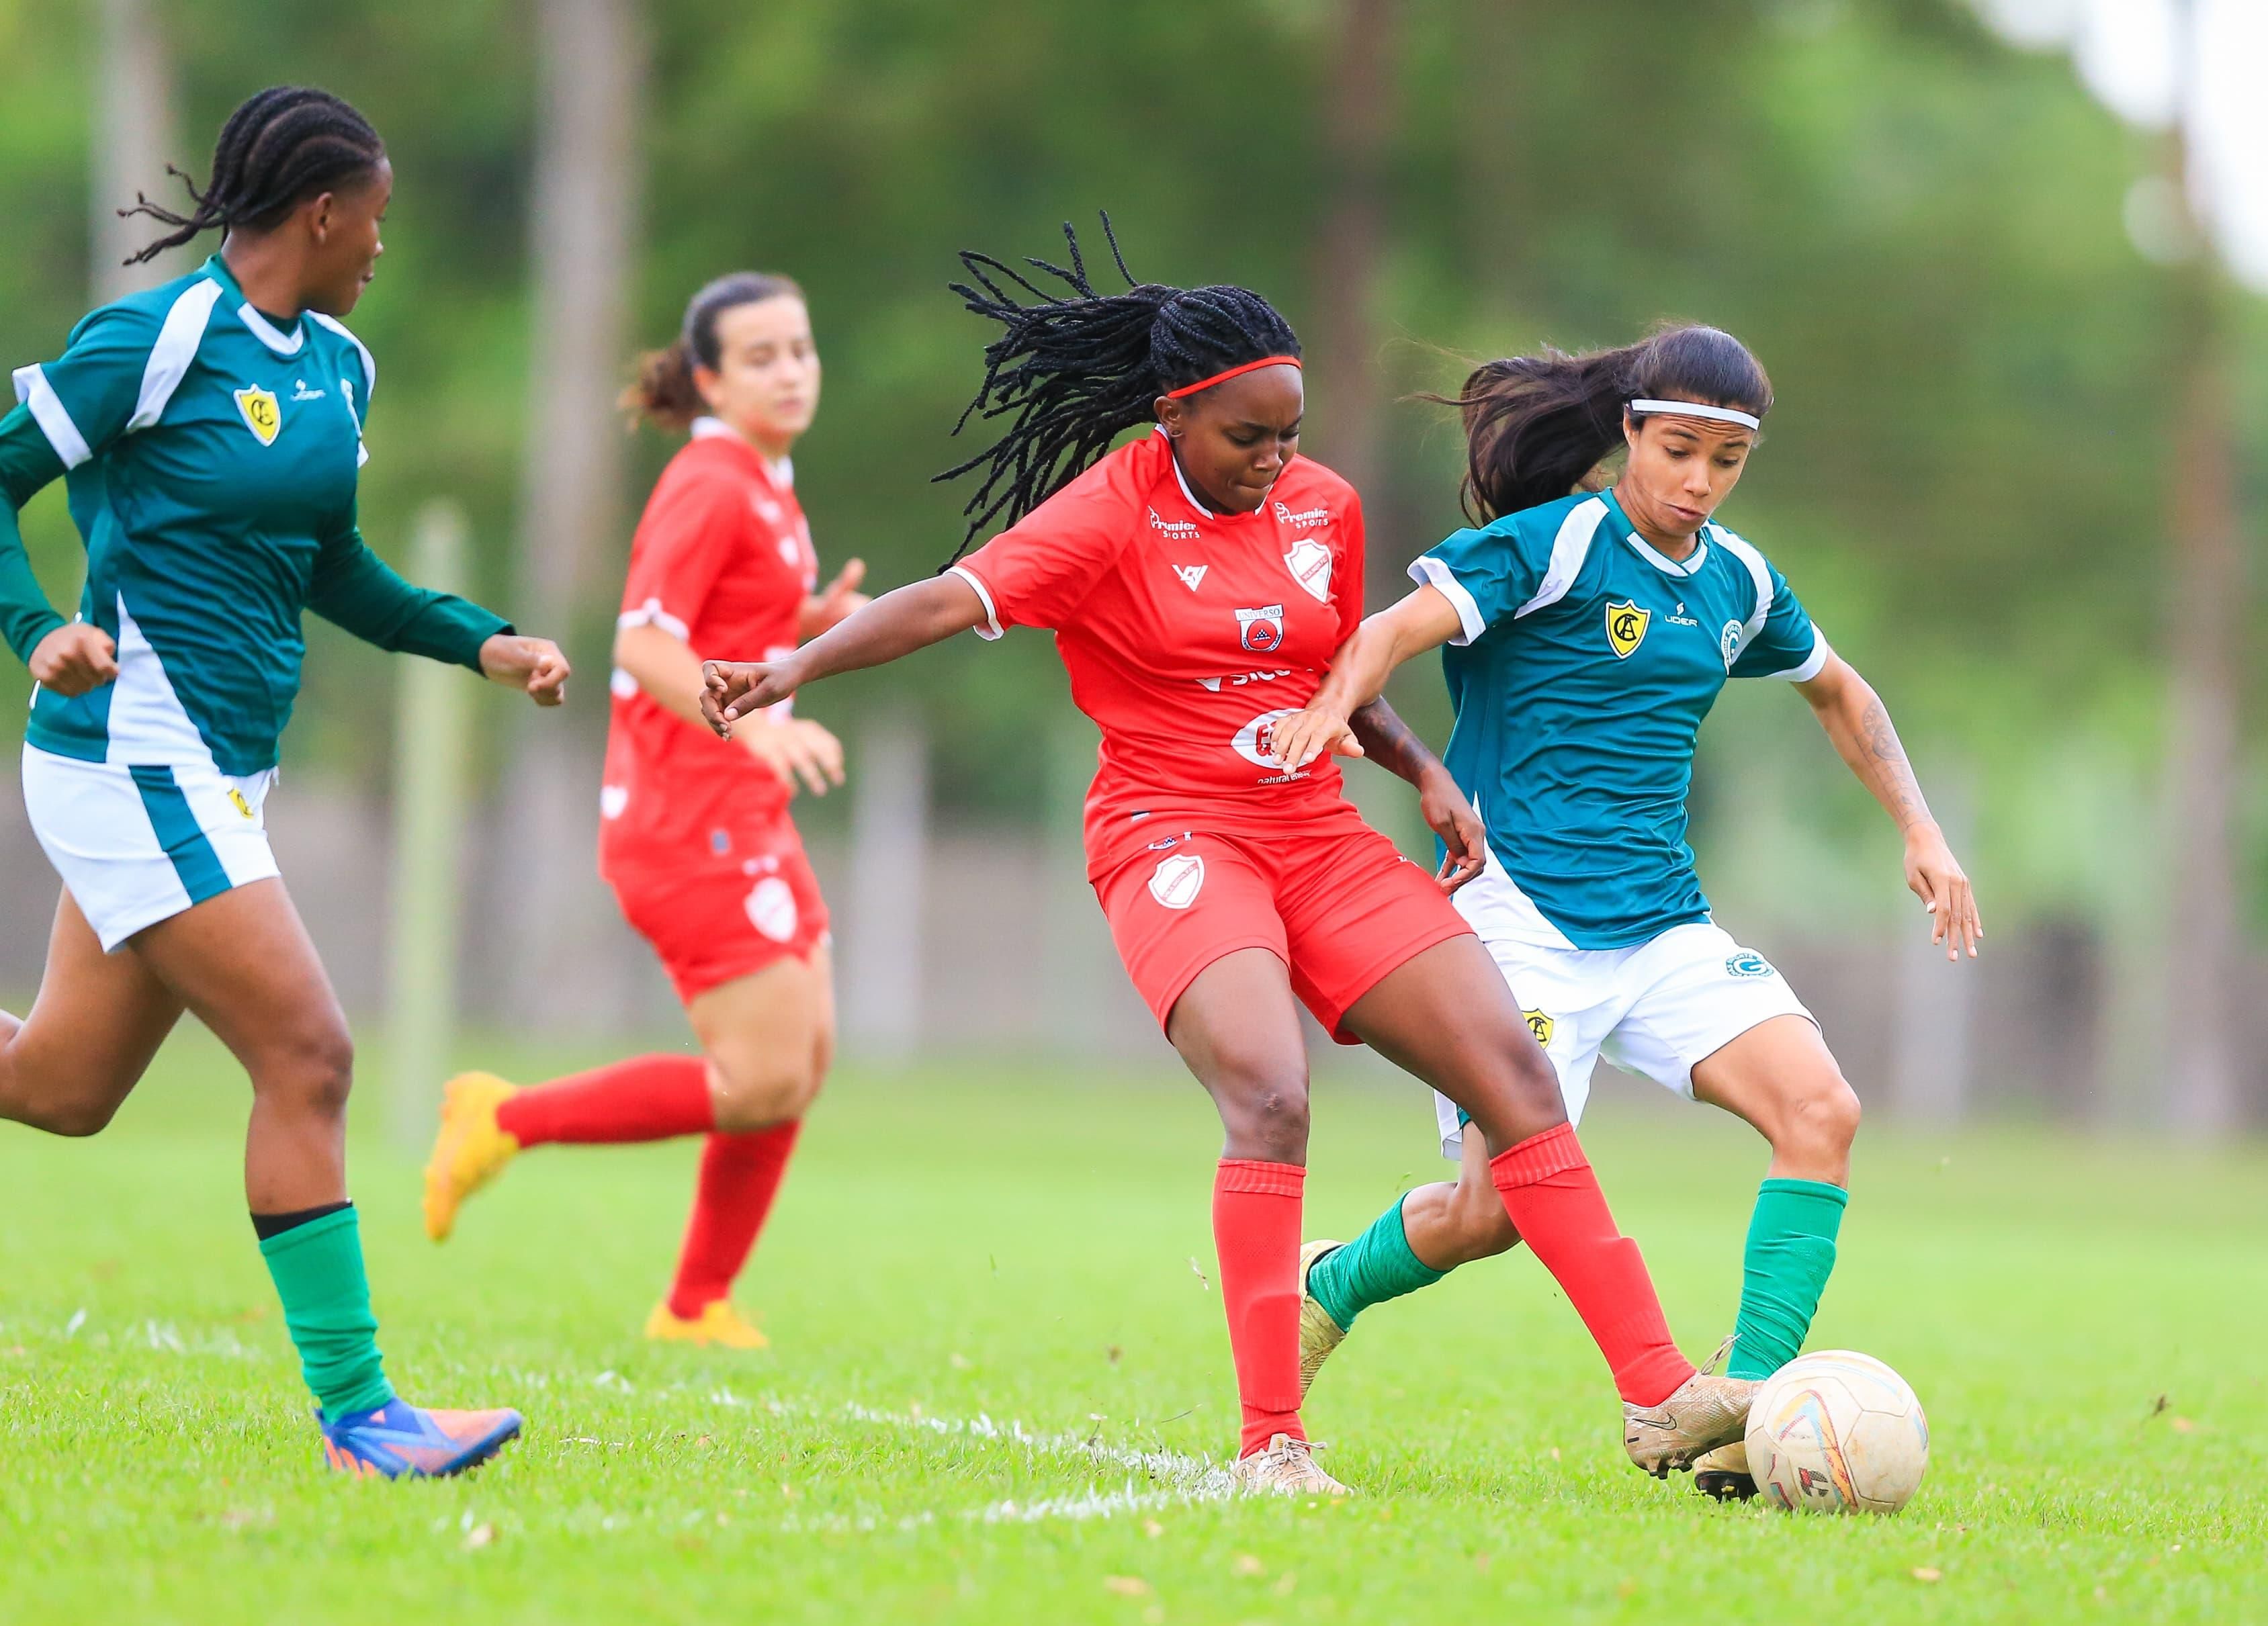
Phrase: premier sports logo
(1173, 530)
(1177, 881)
(262, 415)
(1310, 564)
(1625, 627)
(1306, 519)
(1192, 574)
(1262, 629)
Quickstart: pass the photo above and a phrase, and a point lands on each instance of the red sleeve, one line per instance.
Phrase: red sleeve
(1348, 570)
(692, 532)
(1037, 572)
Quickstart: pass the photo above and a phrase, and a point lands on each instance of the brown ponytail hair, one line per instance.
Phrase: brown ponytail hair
(663, 391)
(1535, 426)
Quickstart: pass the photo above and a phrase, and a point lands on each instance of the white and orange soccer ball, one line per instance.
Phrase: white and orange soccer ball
(1836, 1432)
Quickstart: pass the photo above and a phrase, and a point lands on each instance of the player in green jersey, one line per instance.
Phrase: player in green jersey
(1588, 632)
(209, 432)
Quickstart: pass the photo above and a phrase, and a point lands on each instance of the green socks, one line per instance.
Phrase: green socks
(1375, 1267)
(1789, 1255)
(319, 1276)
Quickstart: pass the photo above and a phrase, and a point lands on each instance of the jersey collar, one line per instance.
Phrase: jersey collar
(267, 332)
(781, 473)
(1691, 564)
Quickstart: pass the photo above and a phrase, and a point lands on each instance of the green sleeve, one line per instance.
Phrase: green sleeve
(28, 462)
(355, 589)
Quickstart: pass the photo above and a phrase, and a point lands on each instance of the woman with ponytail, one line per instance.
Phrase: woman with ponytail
(696, 838)
(1588, 633)
(1199, 581)
(210, 431)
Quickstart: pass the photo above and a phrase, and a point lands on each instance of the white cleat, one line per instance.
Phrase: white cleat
(1286, 1467)
(1319, 1334)
(1706, 1411)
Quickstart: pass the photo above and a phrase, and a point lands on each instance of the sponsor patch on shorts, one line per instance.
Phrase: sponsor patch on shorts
(1748, 963)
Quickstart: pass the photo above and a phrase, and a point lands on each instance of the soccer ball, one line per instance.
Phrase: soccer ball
(1836, 1432)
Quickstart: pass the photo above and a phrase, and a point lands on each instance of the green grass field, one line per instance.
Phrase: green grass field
(1000, 1380)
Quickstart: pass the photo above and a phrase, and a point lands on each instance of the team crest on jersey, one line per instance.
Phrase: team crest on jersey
(1540, 1025)
(1262, 628)
(262, 415)
(1177, 881)
(1310, 564)
(1625, 627)
(1728, 644)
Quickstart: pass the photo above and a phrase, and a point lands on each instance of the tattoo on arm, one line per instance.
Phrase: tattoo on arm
(1883, 762)
(1388, 741)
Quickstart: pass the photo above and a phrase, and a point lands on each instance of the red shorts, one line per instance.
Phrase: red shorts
(730, 917)
(1340, 910)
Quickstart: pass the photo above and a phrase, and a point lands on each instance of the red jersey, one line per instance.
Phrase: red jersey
(723, 560)
(1187, 635)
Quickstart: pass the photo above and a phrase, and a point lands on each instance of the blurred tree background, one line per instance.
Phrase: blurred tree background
(1971, 475)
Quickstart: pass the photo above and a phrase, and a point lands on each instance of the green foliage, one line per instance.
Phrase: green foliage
(1916, 228)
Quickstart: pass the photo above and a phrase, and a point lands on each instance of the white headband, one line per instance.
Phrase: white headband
(1695, 409)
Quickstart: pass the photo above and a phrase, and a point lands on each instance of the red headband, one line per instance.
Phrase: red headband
(1223, 377)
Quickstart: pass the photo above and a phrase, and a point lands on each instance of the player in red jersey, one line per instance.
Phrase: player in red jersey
(696, 841)
(1199, 581)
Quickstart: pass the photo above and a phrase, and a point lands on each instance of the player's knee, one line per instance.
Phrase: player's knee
(313, 1070)
(1823, 1118)
(754, 1088)
(74, 1119)
(1263, 1104)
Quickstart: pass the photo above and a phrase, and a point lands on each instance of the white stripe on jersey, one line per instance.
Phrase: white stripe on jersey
(177, 338)
(33, 390)
(1569, 550)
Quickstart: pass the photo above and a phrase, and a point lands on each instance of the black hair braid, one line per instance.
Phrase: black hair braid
(1073, 373)
(280, 146)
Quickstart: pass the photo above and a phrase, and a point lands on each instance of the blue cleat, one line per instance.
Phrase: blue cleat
(401, 1440)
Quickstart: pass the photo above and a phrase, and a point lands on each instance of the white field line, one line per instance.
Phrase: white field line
(1154, 1479)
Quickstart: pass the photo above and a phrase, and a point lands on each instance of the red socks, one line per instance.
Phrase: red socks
(645, 1098)
(1256, 1230)
(739, 1176)
(1555, 1201)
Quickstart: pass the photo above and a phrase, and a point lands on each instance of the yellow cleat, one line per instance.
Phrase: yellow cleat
(718, 1324)
(1319, 1335)
(469, 1151)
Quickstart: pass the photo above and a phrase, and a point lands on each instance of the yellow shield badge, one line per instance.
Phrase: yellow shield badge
(1540, 1025)
(1625, 627)
(261, 414)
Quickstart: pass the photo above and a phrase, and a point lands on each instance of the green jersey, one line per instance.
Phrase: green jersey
(211, 454)
(1583, 666)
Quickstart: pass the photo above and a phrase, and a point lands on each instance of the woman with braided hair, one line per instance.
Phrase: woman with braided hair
(1200, 581)
(210, 431)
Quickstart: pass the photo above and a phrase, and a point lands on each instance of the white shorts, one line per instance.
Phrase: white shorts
(137, 844)
(1655, 1008)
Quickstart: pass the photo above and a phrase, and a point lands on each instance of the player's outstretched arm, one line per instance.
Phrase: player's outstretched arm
(1388, 741)
(897, 623)
(1424, 621)
(1856, 720)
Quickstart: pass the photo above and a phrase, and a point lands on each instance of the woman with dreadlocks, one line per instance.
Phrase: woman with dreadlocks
(1199, 581)
(209, 432)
